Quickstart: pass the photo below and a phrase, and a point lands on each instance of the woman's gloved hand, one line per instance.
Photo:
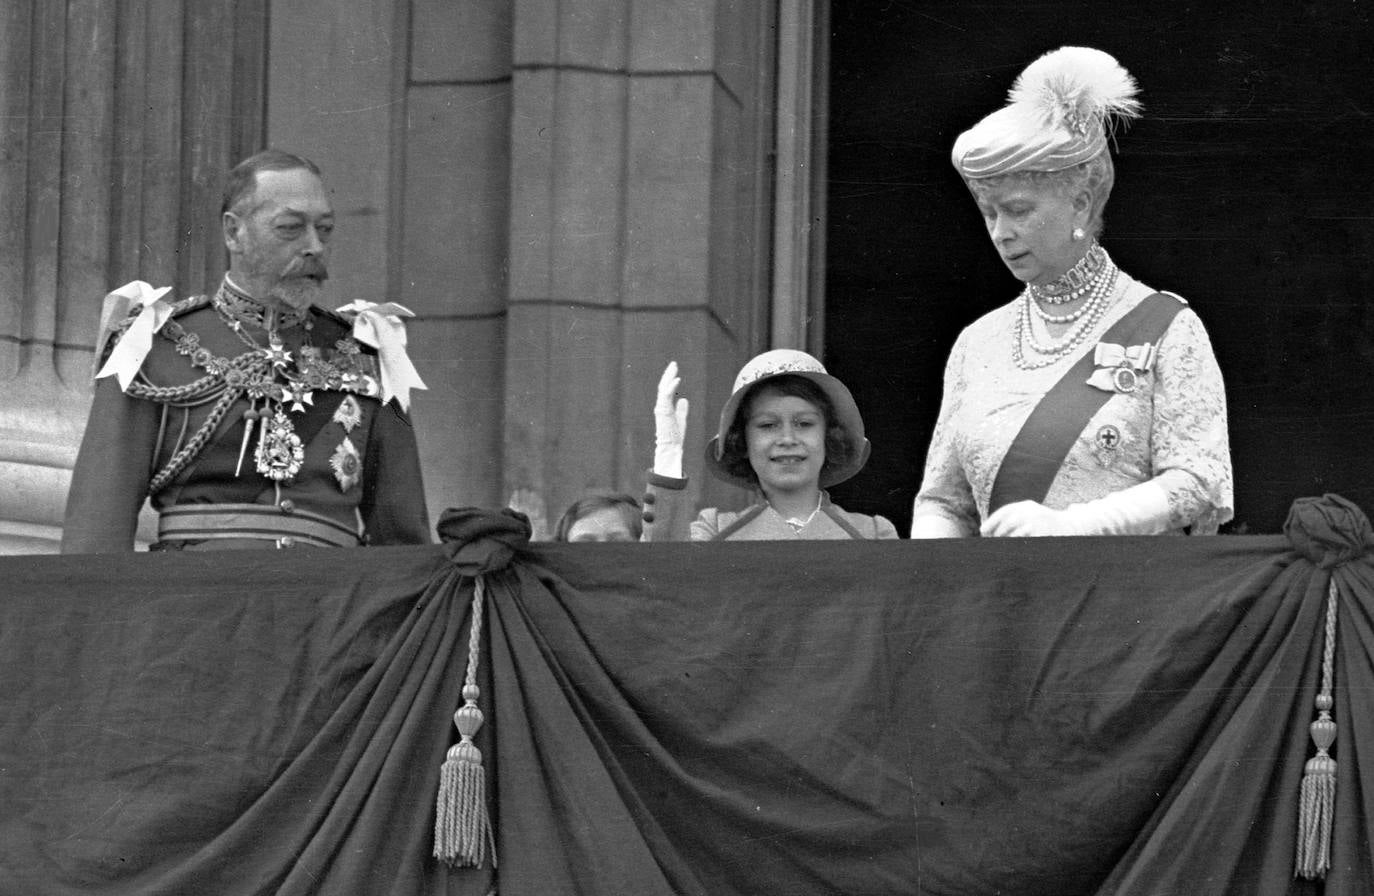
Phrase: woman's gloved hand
(1139, 510)
(670, 424)
(1025, 518)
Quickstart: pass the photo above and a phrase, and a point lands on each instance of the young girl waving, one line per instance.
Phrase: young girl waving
(788, 431)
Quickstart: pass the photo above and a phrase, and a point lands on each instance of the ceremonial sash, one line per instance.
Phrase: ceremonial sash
(1038, 451)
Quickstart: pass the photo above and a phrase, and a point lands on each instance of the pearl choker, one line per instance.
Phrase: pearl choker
(1076, 282)
(1101, 290)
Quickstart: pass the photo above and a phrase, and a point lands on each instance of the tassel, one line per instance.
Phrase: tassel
(1317, 797)
(462, 826)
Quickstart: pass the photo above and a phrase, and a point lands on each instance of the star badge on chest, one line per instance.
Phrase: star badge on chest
(347, 464)
(349, 413)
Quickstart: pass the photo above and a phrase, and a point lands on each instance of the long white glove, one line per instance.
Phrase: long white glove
(670, 424)
(936, 525)
(1139, 510)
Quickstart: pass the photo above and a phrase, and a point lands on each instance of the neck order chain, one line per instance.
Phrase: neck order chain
(1100, 294)
(267, 377)
(277, 381)
(280, 452)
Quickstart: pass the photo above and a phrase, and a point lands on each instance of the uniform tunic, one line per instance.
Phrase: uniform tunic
(128, 439)
(1172, 427)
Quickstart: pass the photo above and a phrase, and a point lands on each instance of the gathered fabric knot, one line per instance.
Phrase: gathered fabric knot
(1328, 531)
(482, 540)
(478, 541)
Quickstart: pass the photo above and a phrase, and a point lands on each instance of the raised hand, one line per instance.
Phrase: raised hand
(670, 424)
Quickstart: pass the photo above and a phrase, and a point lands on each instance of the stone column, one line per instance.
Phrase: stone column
(406, 107)
(117, 122)
(566, 193)
(456, 239)
(639, 221)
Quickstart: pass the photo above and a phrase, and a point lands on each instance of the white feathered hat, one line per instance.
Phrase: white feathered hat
(1059, 113)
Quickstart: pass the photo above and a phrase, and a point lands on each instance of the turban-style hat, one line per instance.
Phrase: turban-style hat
(1059, 113)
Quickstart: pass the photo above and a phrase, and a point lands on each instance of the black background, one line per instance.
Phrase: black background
(1245, 188)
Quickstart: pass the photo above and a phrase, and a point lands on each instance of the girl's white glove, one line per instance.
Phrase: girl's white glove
(670, 424)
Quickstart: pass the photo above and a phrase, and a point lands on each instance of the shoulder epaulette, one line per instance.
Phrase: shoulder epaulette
(335, 316)
(184, 306)
(187, 305)
(345, 325)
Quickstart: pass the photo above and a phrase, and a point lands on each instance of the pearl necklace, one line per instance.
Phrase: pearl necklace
(1076, 282)
(1058, 318)
(1101, 292)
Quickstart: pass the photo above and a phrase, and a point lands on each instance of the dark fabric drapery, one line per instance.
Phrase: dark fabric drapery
(1031, 716)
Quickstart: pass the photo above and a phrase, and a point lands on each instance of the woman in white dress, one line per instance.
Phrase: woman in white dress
(1091, 404)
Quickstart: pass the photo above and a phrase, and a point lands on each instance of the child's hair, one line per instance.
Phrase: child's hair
(591, 503)
(735, 450)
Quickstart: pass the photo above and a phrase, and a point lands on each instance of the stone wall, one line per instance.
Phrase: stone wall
(576, 192)
(117, 122)
(567, 193)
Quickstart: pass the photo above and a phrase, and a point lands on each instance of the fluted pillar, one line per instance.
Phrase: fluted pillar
(117, 123)
(639, 217)
(405, 105)
(568, 193)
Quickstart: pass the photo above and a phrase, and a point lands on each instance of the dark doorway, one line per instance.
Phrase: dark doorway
(1246, 188)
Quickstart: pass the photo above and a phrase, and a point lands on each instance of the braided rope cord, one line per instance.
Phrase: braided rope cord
(479, 593)
(1329, 649)
(193, 447)
(227, 381)
(198, 392)
(195, 392)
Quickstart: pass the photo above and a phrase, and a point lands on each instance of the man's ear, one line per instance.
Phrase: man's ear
(231, 223)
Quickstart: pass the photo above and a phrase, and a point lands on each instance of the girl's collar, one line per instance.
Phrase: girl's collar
(798, 523)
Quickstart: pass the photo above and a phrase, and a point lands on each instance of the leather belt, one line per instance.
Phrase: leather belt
(283, 525)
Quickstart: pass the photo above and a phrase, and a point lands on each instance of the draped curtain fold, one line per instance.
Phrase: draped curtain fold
(1038, 716)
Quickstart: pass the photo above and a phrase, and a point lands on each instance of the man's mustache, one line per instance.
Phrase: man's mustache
(307, 266)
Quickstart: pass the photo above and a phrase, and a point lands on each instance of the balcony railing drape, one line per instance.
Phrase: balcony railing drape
(1037, 716)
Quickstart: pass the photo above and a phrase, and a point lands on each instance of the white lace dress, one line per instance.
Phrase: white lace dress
(1171, 428)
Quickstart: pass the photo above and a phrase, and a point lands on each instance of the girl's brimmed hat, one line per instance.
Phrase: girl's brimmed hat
(786, 361)
(1060, 112)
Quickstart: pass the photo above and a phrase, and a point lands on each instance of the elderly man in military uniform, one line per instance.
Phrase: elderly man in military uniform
(249, 417)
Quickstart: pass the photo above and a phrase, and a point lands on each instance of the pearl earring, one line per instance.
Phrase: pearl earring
(1078, 233)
